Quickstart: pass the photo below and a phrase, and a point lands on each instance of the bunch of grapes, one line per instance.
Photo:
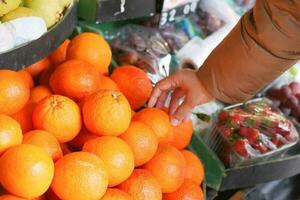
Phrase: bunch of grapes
(287, 98)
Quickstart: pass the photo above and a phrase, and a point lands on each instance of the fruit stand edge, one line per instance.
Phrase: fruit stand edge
(214, 168)
(252, 175)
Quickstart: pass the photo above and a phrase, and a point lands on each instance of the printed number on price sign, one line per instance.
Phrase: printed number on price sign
(181, 11)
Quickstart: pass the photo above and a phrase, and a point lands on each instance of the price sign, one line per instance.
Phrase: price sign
(170, 15)
(114, 10)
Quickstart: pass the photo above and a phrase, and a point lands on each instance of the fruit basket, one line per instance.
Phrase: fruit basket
(19, 57)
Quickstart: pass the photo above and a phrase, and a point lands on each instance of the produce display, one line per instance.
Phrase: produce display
(287, 99)
(86, 135)
(75, 125)
(255, 132)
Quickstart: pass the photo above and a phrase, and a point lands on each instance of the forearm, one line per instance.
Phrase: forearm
(264, 44)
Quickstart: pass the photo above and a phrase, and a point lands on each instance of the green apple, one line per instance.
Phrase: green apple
(8, 5)
(18, 13)
(50, 10)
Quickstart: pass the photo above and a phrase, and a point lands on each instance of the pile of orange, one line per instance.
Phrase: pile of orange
(68, 131)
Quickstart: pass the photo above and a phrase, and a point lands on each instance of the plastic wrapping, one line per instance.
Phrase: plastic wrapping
(287, 99)
(206, 22)
(241, 6)
(175, 36)
(201, 24)
(20, 31)
(254, 132)
(142, 47)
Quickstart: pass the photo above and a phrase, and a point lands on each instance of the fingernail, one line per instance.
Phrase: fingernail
(187, 118)
(174, 122)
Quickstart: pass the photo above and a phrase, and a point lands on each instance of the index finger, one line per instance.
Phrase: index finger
(161, 87)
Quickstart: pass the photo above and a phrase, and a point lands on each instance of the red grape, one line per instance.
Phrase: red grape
(295, 87)
(286, 92)
(297, 96)
(292, 102)
(274, 93)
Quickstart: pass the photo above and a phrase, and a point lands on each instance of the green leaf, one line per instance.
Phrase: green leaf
(230, 124)
(203, 117)
(249, 122)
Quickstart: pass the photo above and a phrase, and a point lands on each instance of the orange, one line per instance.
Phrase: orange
(75, 79)
(38, 93)
(26, 78)
(142, 185)
(116, 155)
(189, 190)
(58, 115)
(83, 136)
(134, 84)
(10, 133)
(182, 135)
(116, 194)
(44, 77)
(107, 83)
(159, 121)
(60, 54)
(92, 48)
(167, 166)
(142, 141)
(80, 176)
(106, 112)
(132, 113)
(194, 169)
(40, 198)
(24, 117)
(46, 141)
(36, 68)
(66, 149)
(26, 171)
(12, 197)
(14, 92)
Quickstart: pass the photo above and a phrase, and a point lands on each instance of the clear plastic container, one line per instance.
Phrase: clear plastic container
(251, 132)
(142, 47)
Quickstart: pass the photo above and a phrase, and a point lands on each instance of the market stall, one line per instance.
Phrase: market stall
(75, 79)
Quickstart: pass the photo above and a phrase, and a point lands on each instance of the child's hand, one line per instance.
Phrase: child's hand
(184, 84)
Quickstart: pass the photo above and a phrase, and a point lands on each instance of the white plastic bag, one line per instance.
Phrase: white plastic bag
(197, 50)
(20, 31)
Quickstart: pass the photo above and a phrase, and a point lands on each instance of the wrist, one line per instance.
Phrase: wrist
(205, 85)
